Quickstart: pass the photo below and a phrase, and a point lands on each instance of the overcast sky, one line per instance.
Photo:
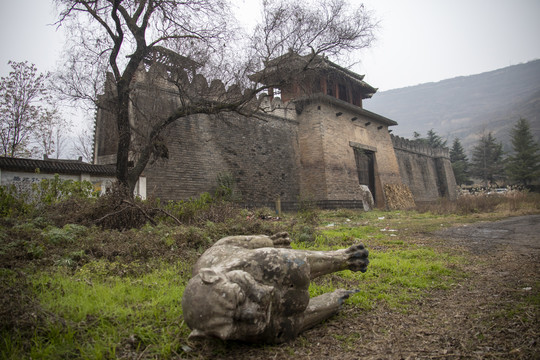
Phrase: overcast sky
(418, 41)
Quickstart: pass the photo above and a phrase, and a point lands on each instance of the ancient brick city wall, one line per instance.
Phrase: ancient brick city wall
(301, 150)
(259, 154)
(426, 171)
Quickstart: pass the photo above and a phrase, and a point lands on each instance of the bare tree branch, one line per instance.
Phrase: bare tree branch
(134, 34)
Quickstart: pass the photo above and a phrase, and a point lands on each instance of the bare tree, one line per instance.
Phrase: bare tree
(121, 36)
(49, 132)
(20, 110)
(83, 145)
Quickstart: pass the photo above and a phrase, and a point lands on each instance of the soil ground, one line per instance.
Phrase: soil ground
(494, 313)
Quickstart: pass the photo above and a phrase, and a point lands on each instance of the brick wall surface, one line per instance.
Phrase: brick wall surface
(419, 173)
(427, 171)
(446, 178)
(260, 155)
(312, 157)
(326, 132)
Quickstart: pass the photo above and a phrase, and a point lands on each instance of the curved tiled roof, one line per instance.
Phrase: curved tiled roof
(55, 166)
(291, 59)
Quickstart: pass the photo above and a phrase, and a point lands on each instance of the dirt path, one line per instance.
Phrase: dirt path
(493, 314)
(520, 235)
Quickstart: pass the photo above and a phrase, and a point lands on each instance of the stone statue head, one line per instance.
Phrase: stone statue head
(230, 305)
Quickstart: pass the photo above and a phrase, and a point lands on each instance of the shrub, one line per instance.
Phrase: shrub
(65, 235)
(187, 211)
(34, 250)
(58, 236)
(50, 191)
(116, 211)
(39, 198)
(226, 187)
(12, 202)
(304, 233)
(199, 210)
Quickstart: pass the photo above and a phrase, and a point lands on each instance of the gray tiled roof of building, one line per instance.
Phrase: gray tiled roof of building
(55, 166)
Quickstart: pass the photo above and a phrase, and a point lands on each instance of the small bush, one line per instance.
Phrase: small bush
(50, 191)
(304, 233)
(38, 200)
(242, 225)
(309, 216)
(115, 211)
(34, 250)
(58, 236)
(226, 187)
(188, 211)
(264, 213)
(65, 235)
(12, 202)
(71, 211)
(197, 211)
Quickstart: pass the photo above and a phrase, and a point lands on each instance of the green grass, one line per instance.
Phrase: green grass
(129, 304)
(100, 315)
(399, 269)
(74, 291)
(394, 278)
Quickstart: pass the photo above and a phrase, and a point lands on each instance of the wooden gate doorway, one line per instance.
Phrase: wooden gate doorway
(365, 165)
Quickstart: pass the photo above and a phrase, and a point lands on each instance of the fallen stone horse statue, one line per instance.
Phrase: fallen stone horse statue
(255, 288)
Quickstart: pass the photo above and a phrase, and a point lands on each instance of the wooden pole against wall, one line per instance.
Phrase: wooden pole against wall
(278, 205)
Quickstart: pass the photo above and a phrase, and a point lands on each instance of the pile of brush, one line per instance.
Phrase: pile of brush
(398, 197)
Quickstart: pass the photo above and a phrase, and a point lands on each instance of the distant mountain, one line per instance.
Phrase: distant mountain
(467, 106)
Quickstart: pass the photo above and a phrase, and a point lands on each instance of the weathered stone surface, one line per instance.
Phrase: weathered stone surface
(255, 288)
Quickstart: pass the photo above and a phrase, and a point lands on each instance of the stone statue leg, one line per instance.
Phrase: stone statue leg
(323, 307)
(321, 263)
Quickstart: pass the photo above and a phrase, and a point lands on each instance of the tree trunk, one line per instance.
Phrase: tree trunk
(124, 138)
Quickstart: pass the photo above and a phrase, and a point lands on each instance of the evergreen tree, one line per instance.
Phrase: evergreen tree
(487, 161)
(523, 166)
(432, 139)
(460, 163)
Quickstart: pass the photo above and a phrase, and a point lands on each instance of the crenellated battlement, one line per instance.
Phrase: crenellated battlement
(401, 143)
(190, 86)
(187, 84)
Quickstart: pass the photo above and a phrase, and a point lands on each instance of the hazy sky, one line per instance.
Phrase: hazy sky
(418, 41)
(430, 40)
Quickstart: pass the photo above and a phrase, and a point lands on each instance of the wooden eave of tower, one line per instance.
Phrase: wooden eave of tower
(334, 71)
(330, 77)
